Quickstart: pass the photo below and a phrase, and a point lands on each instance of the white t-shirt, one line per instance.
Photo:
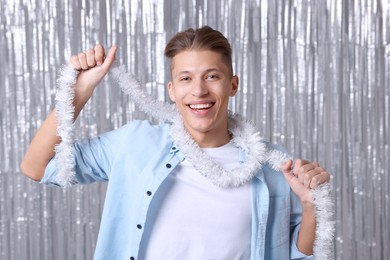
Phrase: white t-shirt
(197, 220)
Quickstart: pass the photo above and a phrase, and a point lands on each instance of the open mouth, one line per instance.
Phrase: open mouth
(201, 106)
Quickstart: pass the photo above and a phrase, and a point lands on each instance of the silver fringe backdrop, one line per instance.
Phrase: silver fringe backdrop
(314, 77)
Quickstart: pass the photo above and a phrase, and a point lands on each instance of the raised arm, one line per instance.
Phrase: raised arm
(93, 66)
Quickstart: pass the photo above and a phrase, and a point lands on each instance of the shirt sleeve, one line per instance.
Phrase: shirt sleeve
(92, 158)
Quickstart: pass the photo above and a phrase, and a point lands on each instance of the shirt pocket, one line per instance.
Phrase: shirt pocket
(278, 226)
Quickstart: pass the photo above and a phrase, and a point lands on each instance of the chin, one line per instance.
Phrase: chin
(202, 126)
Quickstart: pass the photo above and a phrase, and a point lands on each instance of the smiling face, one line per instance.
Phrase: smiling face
(201, 86)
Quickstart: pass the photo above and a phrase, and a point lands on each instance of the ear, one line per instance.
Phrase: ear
(234, 83)
(170, 91)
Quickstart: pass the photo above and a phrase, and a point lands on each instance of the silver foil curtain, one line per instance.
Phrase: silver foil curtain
(314, 77)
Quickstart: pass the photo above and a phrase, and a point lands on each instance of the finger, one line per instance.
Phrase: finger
(90, 53)
(99, 54)
(110, 58)
(83, 61)
(74, 62)
(304, 170)
(319, 179)
(301, 167)
(310, 176)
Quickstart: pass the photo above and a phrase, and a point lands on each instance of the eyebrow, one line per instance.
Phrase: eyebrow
(181, 73)
(187, 71)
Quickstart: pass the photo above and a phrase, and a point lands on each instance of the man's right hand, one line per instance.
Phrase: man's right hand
(93, 65)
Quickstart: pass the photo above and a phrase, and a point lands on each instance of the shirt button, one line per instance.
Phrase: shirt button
(149, 193)
(139, 226)
(173, 148)
(168, 165)
(132, 258)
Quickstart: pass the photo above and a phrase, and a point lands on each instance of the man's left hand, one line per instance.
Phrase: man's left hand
(304, 176)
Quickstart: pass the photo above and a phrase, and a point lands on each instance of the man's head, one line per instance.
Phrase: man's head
(202, 83)
(204, 38)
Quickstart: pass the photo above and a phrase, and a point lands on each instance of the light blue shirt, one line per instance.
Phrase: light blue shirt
(136, 160)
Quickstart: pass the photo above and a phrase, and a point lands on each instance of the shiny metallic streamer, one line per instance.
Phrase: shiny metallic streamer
(314, 77)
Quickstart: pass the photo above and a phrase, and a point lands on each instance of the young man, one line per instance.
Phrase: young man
(202, 191)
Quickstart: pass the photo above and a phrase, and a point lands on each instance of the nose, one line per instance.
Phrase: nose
(199, 89)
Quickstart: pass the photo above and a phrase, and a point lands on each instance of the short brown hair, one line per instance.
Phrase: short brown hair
(204, 38)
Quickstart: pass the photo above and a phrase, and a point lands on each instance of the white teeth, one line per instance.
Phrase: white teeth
(200, 106)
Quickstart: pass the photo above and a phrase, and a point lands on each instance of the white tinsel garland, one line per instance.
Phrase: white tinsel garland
(65, 128)
(131, 86)
(323, 244)
(244, 136)
(325, 228)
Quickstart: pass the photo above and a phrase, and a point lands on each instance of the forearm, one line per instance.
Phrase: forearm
(41, 149)
(307, 230)
(303, 178)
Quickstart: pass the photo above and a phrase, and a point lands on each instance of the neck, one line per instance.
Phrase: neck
(211, 140)
(244, 137)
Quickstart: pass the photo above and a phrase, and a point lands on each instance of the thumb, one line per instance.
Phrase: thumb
(286, 169)
(292, 180)
(286, 166)
(110, 58)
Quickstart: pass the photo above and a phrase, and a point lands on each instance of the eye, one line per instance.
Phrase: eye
(185, 78)
(212, 76)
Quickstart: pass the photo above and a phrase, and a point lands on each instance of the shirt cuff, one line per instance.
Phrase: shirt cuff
(295, 253)
(50, 176)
